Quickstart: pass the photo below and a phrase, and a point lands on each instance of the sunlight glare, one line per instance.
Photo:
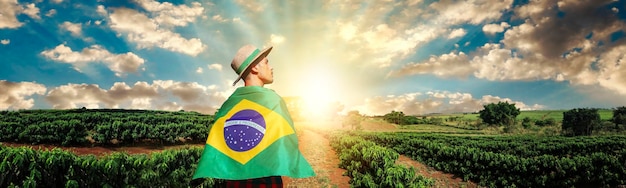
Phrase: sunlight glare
(318, 93)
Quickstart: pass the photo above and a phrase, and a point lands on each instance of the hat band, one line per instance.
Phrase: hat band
(247, 61)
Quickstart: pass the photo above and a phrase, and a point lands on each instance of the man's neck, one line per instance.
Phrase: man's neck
(253, 82)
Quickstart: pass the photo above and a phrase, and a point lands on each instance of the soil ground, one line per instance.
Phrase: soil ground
(314, 146)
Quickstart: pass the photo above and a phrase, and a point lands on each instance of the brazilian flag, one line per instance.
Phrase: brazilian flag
(253, 136)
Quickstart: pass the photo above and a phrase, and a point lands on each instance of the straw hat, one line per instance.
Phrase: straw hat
(247, 56)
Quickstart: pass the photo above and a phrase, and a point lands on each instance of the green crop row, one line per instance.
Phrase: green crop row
(26, 167)
(75, 127)
(370, 165)
(493, 169)
(525, 145)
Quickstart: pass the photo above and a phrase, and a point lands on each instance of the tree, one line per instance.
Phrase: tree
(396, 117)
(502, 113)
(580, 121)
(353, 120)
(619, 116)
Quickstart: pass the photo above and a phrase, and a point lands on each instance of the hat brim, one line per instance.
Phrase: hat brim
(256, 60)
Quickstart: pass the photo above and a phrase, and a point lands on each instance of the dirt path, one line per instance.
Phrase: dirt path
(316, 149)
(441, 179)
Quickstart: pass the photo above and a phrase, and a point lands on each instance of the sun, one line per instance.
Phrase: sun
(319, 95)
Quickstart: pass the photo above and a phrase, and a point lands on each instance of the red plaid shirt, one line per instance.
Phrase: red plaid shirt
(266, 182)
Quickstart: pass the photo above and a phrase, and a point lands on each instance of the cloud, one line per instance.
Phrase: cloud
(215, 66)
(474, 12)
(101, 10)
(51, 12)
(161, 95)
(544, 33)
(447, 65)
(492, 29)
(612, 65)
(253, 6)
(387, 41)
(276, 40)
(74, 28)
(347, 31)
(457, 33)
(9, 9)
(384, 33)
(382, 44)
(167, 14)
(118, 63)
(490, 62)
(434, 102)
(32, 11)
(79, 95)
(5, 41)
(149, 32)
(219, 18)
(199, 70)
(16, 95)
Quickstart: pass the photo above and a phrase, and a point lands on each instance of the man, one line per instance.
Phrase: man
(252, 142)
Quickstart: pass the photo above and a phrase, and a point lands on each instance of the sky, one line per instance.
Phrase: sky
(415, 56)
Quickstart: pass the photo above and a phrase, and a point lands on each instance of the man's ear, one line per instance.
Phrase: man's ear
(254, 69)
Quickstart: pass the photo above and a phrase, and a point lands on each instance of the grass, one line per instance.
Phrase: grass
(438, 129)
(605, 114)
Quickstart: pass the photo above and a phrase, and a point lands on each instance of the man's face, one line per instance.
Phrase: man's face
(266, 72)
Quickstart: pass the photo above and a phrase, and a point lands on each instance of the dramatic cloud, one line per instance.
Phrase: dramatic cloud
(17, 95)
(156, 31)
(551, 36)
(118, 63)
(434, 102)
(363, 46)
(162, 95)
(384, 42)
(576, 47)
